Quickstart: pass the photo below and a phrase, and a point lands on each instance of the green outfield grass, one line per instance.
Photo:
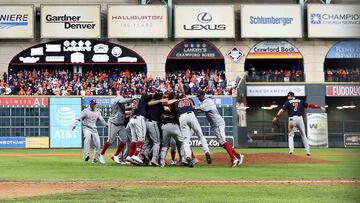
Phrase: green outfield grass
(74, 168)
(209, 194)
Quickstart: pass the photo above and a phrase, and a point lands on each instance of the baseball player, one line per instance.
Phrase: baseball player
(188, 121)
(89, 116)
(153, 115)
(295, 108)
(116, 125)
(217, 126)
(170, 133)
(138, 127)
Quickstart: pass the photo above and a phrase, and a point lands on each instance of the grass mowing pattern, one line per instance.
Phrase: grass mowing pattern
(207, 194)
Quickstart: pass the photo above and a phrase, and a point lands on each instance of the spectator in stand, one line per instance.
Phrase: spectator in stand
(64, 82)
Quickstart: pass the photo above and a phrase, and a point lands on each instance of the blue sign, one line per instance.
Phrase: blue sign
(63, 112)
(101, 102)
(219, 101)
(12, 142)
(345, 49)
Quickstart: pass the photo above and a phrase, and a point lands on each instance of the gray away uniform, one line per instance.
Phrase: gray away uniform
(89, 118)
(117, 119)
(217, 123)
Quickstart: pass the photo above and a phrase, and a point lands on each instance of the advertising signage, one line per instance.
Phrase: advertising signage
(204, 21)
(333, 21)
(63, 112)
(343, 90)
(137, 21)
(271, 21)
(195, 49)
(274, 50)
(70, 21)
(77, 51)
(23, 102)
(16, 21)
(345, 50)
(274, 90)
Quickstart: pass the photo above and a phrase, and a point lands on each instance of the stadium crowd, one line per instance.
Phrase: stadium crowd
(107, 82)
(342, 75)
(276, 75)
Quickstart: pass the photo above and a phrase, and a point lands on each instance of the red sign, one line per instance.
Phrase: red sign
(343, 90)
(23, 102)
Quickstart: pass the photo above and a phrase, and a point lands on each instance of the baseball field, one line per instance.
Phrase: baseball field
(268, 175)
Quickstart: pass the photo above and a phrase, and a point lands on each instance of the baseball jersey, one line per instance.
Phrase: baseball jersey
(117, 115)
(212, 114)
(154, 112)
(89, 118)
(295, 107)
(183, 106)
(169, 117)
(140, 105)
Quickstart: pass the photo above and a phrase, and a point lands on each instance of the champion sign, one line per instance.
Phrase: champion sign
(333, 21)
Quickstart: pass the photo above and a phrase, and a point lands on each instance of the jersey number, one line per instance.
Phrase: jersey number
(184, 103)
(295, 105)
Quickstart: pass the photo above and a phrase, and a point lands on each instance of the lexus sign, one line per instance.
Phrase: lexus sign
(212, 21)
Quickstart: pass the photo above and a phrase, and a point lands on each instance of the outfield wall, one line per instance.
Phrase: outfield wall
(46, 122)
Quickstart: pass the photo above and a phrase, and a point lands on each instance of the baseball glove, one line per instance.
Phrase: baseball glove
(275, 122)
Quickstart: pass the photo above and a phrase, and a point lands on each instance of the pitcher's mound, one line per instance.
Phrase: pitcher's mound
(222, 159)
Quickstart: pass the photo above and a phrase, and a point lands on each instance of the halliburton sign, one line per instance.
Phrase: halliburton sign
(137, 21)
(343, 90)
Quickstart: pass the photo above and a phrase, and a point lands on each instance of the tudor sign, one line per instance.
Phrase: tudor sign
(343, 90)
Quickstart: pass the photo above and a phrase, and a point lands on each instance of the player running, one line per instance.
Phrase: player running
(116, 124)
(295, 108)
(89, 116)
(217, 125)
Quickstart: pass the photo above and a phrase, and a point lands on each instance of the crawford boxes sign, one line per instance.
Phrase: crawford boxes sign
(333, 21)
(16, 21)
(137, 21)
(271, 21)
(204, 21)
(70, 21)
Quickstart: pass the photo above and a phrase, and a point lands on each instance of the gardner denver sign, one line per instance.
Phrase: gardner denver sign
(70, 21)
(343, 90)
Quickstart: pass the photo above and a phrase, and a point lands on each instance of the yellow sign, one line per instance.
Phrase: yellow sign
(37, 142)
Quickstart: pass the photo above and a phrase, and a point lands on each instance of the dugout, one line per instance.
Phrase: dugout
(271, 61)
(78, 55)
(342, 62)
(343, 110)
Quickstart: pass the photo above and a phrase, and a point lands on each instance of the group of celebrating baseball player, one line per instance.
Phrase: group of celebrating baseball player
(156, 122)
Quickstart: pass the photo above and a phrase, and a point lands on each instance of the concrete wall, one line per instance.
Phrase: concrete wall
(155, 51)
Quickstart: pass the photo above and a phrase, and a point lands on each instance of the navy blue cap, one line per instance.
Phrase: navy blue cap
(93, 102)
